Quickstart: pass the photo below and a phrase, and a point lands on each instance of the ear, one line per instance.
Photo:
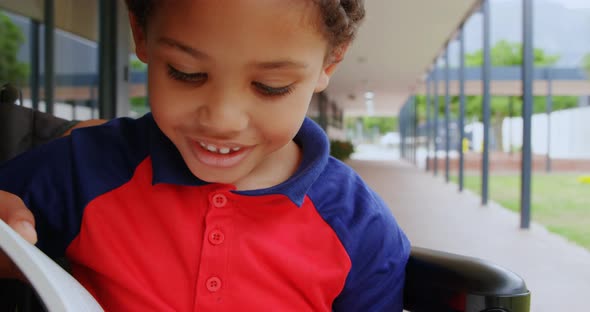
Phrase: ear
(139, 38)
(329, 68)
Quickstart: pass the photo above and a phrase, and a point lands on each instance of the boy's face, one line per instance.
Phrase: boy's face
(230, 83)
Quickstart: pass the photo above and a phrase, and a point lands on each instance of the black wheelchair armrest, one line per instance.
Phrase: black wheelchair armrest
(439, 281)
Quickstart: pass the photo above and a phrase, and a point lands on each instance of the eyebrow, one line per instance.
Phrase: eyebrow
(279, 64)
(183, 47)
(202, 55)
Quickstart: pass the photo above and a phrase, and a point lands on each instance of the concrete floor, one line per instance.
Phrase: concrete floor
(435, 215)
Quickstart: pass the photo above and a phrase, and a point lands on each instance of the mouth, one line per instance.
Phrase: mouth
(219, 156)
(219, 150)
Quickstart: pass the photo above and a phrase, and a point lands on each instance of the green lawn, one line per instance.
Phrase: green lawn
(559, 201)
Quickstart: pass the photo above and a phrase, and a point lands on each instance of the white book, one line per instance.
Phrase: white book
(57, 289)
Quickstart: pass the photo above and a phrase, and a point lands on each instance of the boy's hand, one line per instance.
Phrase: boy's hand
(14, 213)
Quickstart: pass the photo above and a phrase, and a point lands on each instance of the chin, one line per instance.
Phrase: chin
(222, 176)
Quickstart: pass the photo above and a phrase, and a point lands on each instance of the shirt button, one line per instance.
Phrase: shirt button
(216, 237)
(213, 284)
(219, 200)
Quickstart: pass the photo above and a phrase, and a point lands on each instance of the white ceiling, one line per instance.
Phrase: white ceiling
(396, 44)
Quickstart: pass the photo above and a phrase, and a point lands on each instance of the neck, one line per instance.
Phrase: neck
(278, 168)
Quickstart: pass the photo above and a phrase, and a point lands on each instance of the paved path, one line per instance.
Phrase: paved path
(435, 215)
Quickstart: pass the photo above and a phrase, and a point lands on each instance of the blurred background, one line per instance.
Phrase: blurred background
(470, 117)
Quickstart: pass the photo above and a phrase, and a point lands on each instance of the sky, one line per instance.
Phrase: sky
(574, 4)
(570, 4)
(561, 30)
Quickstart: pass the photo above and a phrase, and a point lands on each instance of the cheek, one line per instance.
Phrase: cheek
(156, 91)
(285, 121)
(165, 113)
(165, 103)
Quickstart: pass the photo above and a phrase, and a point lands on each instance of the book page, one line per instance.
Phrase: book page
(58, 290)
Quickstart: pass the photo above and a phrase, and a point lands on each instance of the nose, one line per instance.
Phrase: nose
(224, 114)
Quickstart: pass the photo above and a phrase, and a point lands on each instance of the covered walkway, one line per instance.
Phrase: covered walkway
(435, 215)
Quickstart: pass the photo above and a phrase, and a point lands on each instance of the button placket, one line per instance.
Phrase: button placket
(214, 254)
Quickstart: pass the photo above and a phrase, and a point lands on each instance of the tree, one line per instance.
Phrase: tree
(503, 54)
(139, 104)
(384, 124)
(506, 53)
(137, 65)
(11, 39)
(586, 63)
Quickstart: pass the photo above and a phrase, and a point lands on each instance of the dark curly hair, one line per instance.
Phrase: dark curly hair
(341, 17)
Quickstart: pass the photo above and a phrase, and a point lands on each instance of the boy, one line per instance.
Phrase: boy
(224, 198)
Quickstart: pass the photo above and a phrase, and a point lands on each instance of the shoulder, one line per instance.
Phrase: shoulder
(340, 190)
(350, 206)
(123, 138)
(117, 145)
(119, 130)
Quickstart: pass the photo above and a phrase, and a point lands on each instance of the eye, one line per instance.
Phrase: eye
(272, 91)
(192, 78)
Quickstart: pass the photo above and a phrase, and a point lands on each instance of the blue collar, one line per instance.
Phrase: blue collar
(169, 167)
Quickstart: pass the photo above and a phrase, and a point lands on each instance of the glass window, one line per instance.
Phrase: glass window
(76, 61)
(15, 51)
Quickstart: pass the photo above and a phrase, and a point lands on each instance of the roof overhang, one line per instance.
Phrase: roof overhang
(74, 16)
(396, 45)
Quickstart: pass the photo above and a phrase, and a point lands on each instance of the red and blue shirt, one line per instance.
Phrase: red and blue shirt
(144, 234)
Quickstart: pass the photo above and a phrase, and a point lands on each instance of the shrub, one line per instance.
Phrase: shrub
(341, 149)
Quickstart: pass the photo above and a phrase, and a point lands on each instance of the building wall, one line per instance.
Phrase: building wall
(569, 136)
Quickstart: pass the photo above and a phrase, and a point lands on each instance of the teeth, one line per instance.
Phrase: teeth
(221, 150)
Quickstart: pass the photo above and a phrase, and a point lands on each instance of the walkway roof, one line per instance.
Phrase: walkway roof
(395, 47)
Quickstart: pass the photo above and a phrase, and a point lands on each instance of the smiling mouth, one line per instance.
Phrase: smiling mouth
(220, 156)
(219, 150)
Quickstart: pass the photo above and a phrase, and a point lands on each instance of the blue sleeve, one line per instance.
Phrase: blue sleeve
(377, 247)
(43, 179)
(57, 180)
(379, 253)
